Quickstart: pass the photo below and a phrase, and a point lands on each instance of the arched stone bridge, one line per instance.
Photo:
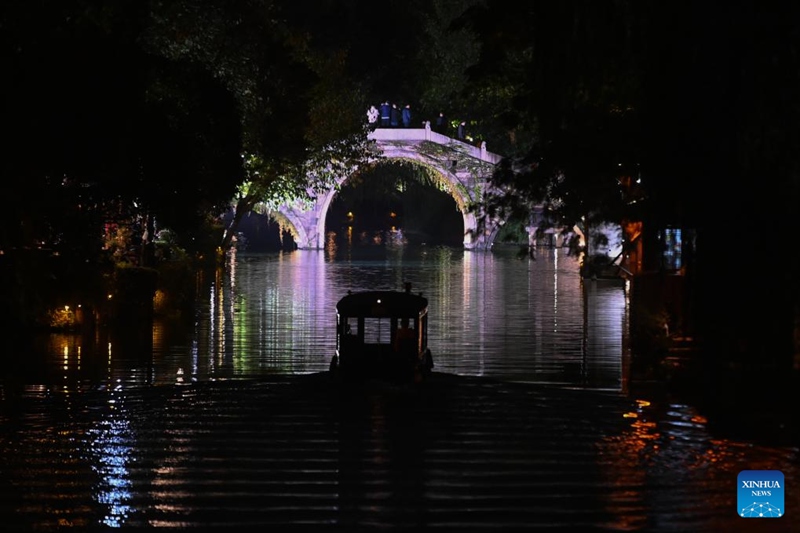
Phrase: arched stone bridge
(462, 170)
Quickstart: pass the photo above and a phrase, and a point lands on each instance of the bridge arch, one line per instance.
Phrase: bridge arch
(286, 222)
(462, 170)
(438, 179)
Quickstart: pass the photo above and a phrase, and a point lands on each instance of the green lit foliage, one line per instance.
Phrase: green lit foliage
(303, 128)
(513, 231)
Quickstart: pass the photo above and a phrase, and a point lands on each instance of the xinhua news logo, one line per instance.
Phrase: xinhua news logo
(760, 494)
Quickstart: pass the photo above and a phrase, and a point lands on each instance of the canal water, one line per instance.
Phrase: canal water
(228, 419)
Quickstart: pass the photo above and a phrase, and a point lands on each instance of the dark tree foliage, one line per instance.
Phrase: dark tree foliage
(403, 51)
(151, 104)
(558, 89)
(543, 61)
(251, 50)
(709, 97)
(576, 177)
(113, 126)
(90, 108)
(379, 40)
(189, 150)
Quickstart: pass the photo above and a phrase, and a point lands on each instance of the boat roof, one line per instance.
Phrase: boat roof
(382, 304)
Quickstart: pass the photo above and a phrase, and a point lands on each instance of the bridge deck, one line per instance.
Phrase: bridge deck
(426, 134)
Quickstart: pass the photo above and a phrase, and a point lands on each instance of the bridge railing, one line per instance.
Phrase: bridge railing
(426, 134)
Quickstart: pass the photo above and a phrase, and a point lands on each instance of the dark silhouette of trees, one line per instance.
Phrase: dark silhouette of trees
(153, 115)
(142, 135)
(558, 91)
(700, 100)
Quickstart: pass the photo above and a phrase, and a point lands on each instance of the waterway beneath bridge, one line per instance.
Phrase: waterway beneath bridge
(229, 420)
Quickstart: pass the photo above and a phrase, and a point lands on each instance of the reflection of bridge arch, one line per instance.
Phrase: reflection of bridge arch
(461, 169)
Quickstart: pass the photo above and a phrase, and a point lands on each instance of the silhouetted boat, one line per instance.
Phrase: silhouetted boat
(383, 335)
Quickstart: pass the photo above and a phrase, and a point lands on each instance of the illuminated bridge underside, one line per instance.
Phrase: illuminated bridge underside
(462, 169)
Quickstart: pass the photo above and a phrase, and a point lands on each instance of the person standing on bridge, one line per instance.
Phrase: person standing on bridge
(407, 116)
(441, 123)
(395, 120)
(386, 116)
(461, 134)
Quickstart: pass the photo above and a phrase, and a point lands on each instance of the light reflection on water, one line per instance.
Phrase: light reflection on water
(110, 446)
(689, 472)
(492, 315)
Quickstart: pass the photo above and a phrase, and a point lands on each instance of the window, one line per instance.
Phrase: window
(672, 249)
(377, 330)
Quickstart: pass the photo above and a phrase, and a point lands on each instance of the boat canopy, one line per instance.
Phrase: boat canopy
(379, 304)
